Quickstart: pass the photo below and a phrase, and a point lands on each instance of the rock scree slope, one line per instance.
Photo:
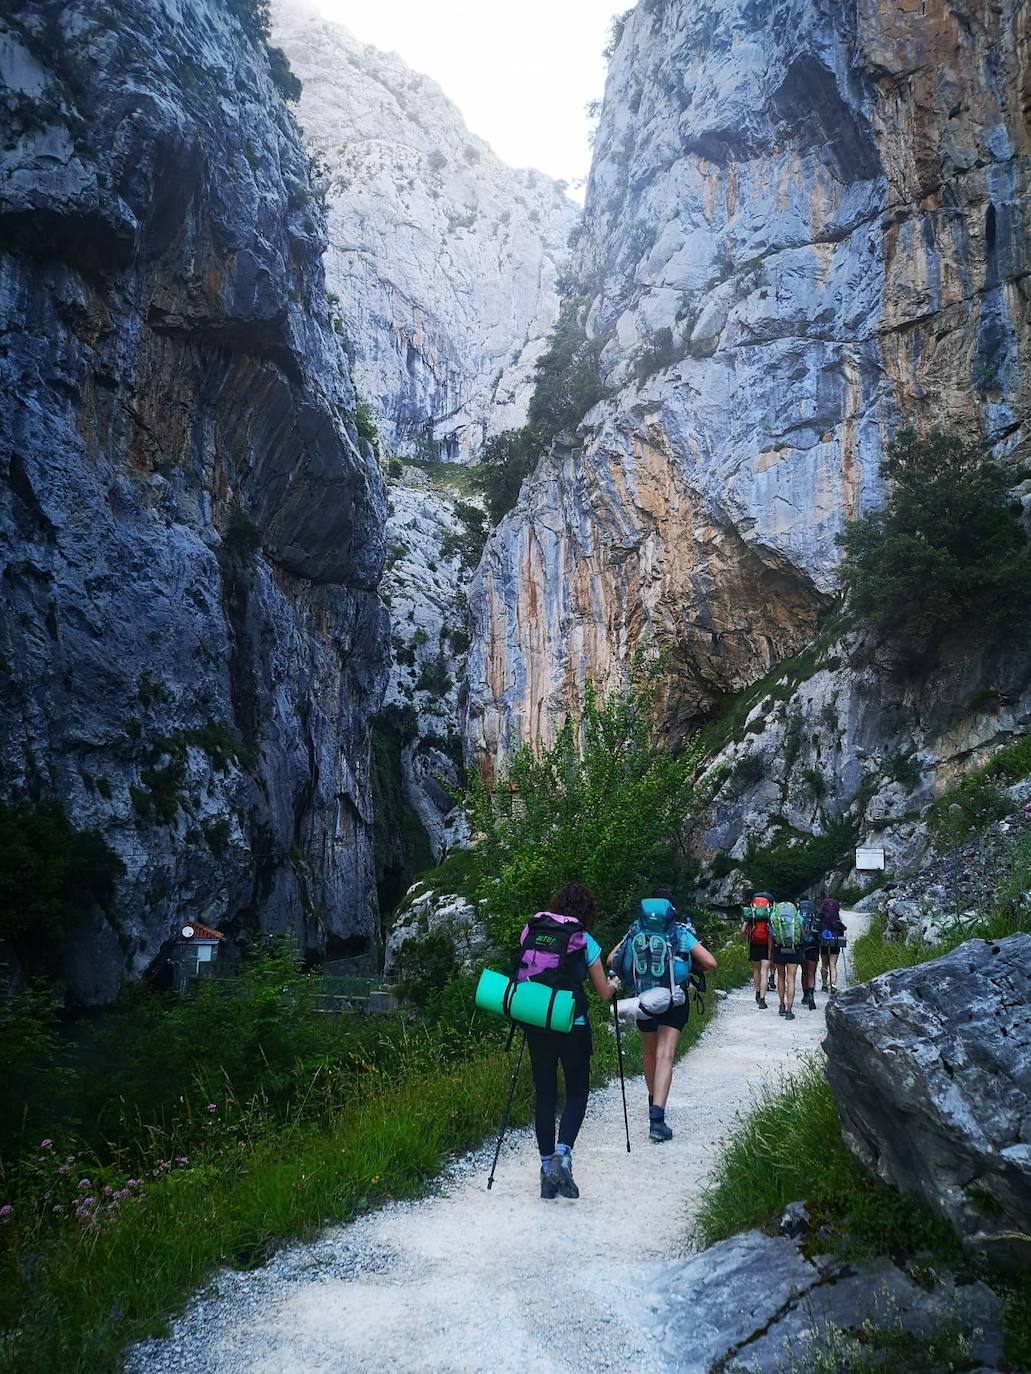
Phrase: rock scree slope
(464, 1281)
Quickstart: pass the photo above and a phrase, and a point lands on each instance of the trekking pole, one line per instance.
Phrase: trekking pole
(619, 1059)
(508, 1105)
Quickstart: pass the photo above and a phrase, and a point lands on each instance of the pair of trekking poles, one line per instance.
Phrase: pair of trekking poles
(515, 1076)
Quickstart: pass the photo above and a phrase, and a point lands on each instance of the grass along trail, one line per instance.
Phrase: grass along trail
(466, 1280)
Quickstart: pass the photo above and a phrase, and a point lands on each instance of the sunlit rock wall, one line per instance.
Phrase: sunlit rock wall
(806, 225)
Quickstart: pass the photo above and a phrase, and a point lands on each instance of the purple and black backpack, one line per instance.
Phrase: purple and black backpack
(553, 951)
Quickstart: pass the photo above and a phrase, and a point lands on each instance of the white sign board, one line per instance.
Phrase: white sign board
(869, 858)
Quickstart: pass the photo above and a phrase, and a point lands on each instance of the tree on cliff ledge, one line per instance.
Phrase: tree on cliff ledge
(945, 552)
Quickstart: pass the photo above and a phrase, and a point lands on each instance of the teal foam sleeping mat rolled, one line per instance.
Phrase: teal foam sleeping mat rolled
(532, 1004)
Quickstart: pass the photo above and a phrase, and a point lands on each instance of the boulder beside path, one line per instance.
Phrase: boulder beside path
(931, 1072)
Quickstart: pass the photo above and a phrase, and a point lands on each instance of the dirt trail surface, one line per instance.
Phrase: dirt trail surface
(467, 1281)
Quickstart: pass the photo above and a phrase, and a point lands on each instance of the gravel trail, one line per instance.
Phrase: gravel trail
(467, 1281)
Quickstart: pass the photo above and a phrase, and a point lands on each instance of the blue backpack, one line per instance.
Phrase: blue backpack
(650, 963)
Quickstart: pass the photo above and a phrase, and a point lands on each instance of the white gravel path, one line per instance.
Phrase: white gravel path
(467, 1281)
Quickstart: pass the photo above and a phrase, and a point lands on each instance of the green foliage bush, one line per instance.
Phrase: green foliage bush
(979, 797)
(284, 79)
(51, 874)
(242, 538)
(788, 868)
(601, 806)
(945, 551)
(505, 461)
(365, 422)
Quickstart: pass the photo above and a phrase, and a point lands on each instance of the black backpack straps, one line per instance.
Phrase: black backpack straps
(551, 1008)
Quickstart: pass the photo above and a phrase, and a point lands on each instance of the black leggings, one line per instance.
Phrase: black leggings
(547, 1050)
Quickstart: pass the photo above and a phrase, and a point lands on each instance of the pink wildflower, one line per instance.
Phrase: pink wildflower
(57, 1210)
(64, 1171)
(6, 1213)
(212, 1107)
(183, 1160)
(85, 1183)
(46, 1144)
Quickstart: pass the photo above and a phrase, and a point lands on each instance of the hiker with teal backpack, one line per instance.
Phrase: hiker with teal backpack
(654, 960)
(786, 953)
(558, 950)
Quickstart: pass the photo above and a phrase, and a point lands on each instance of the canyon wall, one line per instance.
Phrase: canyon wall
(191, 533)
(806, 226)
(442, 260)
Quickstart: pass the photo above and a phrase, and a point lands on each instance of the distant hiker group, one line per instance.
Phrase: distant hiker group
(659, 960)
(784, 937)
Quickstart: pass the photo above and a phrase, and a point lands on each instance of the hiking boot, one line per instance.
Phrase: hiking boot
(560, 1171)
(771, 983)
(823, 984)
(789, 1016)
(758, 998)
(811, 1002)
(761, 1002)
(548, 1190)
(782, 1011)
(658, 1132)
(834, 989)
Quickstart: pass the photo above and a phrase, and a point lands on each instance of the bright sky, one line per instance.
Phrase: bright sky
(520, 73)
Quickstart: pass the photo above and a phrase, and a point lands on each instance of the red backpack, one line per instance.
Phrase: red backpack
(757, 918)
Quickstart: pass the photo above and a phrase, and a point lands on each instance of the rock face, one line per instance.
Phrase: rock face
(428, 913)
(755, 1304)
(443, 259)
(844, 734)
(931, 1071)
(190, 535)
(806, 224)
(428, 567)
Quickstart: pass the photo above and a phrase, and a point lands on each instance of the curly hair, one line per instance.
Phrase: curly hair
(573, 899)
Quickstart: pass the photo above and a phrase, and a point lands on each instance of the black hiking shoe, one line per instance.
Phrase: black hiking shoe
(811, 1000)
(771, 982)
(782, 1011)
(560, 1171)
(548, 1190)
(789, 1016)
(761, 1002)
(659, 1132)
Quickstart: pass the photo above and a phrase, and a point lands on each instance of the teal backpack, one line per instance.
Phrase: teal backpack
(650, 965)
(786, 925)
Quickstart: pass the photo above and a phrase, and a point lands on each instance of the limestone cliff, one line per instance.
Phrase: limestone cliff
(806, 224)
(190, 535)
(443, 259)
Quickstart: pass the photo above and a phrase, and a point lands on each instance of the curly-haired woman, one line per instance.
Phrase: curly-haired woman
(571, 916)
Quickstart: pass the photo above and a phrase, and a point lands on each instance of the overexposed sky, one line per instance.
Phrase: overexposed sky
(520, 73)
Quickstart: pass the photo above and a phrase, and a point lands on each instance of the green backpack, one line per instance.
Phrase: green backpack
(786, 925)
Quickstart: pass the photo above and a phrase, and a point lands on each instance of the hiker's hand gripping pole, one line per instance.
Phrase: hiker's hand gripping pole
(619, 1058)
(508, 1104)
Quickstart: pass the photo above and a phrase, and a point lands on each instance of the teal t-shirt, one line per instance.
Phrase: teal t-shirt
(593, 954)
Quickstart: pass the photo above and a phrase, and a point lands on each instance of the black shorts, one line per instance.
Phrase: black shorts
(675, 1017)
(811, 953)
(831, 946)
(786, 956)
(758, 952)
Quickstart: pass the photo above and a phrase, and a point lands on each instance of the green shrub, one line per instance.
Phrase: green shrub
(904, 769)
(255, 17)
(977, 801)
(242, 538)
(600, 806)
(395, 467)
(945, 551)
(426, 966)
(434, 677)
(816, 782)
(34, 1057)
(505, 462)
(786, 869)
(283, 78)
(51, 874)
(365, 423)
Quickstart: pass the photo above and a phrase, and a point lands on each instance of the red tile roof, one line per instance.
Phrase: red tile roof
(205, 932)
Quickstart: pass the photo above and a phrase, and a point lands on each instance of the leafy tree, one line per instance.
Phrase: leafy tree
(505, 461)
(944, 551)
(49, 874)
(601, 806)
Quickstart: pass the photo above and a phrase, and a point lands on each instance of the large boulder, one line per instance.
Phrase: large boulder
(755, 1304)
(931, 1071)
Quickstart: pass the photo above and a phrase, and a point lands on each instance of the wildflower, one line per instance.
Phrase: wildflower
(57, 1210)
(212, 1107)
(183, 1160)
(85, 1183)
(132, 1182)
(6, 1213)
(88, 1202)
(64, 1171)
(46, 1144)
(69, 1159)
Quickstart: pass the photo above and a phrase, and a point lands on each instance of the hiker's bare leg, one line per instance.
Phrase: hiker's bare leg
(780, 983)
(833, 959)
(790, 971)
(648, 1052)
(757, 976)
(665, 1053)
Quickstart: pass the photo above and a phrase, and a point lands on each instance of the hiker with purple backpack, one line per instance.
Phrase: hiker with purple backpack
(832, 942)
(558, 950)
